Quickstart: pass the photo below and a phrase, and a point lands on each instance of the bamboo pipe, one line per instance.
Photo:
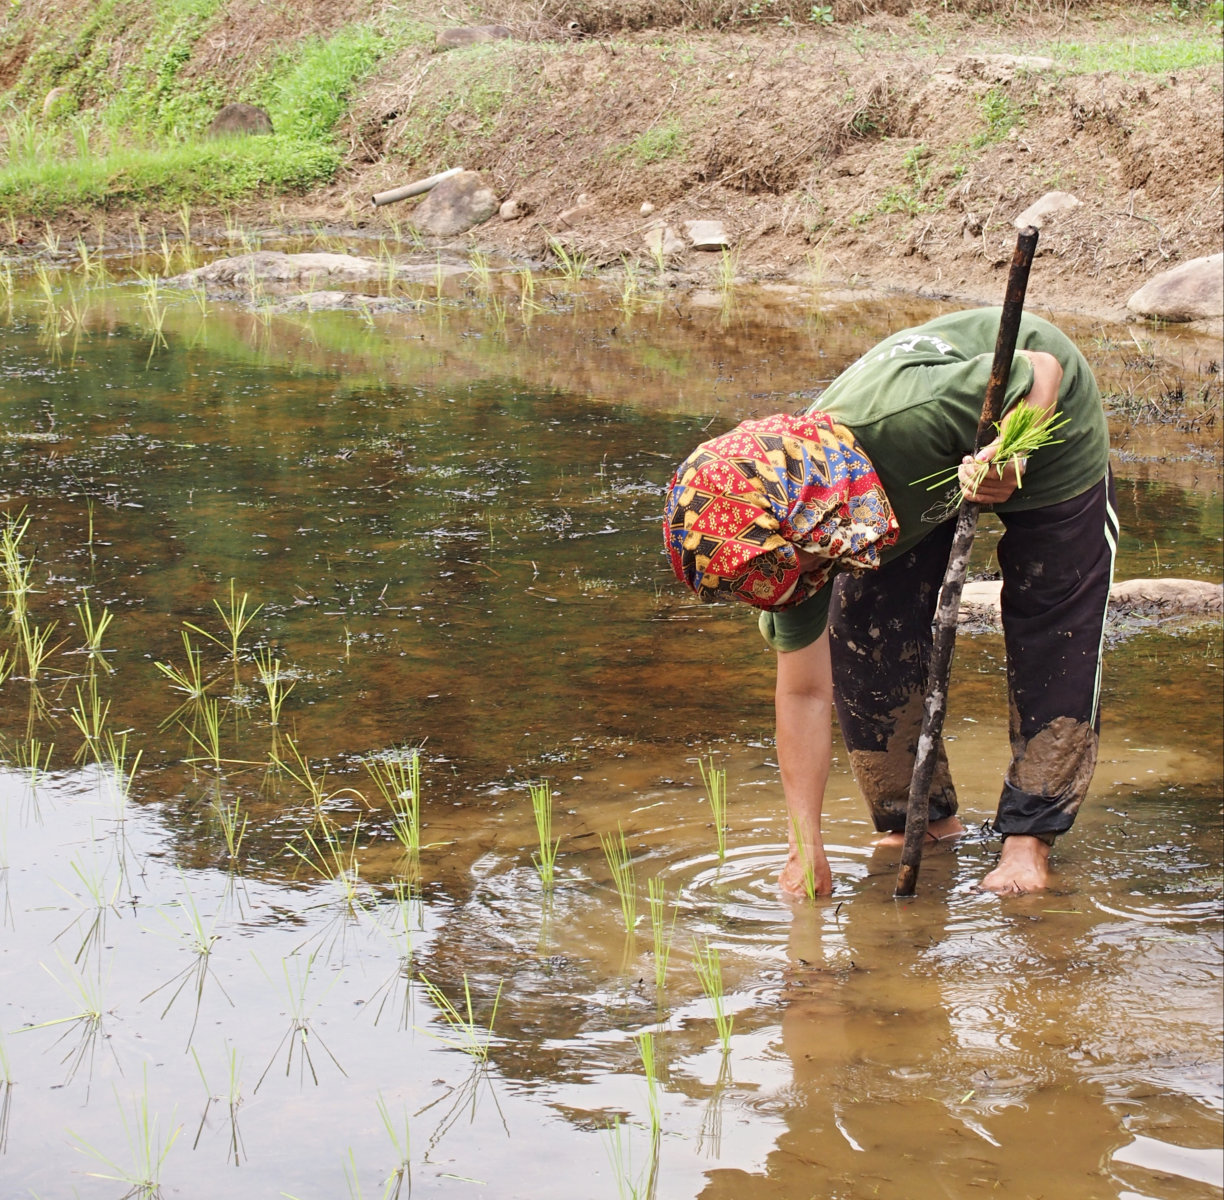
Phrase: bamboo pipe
(412, 189)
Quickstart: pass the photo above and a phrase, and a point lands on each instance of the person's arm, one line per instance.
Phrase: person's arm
(1047, 377)
(803, 701)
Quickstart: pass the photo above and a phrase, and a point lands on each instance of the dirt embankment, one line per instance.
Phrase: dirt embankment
(870, 142)
(872, 155)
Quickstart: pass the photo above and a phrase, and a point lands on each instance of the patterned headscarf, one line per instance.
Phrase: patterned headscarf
(742, 503)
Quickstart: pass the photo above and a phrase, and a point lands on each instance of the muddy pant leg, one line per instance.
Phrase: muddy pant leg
(1057, 567)
(880, 642)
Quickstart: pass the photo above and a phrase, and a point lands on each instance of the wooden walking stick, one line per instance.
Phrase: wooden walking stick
(936, 705)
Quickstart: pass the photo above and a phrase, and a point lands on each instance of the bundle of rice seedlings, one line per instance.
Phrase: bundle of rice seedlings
(1022, 431)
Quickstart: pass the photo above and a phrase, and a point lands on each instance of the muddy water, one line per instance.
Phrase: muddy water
(450, 520)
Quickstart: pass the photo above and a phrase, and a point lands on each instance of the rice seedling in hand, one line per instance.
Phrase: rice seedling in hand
(545, 857)
(1023, 431)
(467, 1034)
(661, 928)
(620, 863)
(398, 779)
(709, 972)
(805, 860)
(715, 780)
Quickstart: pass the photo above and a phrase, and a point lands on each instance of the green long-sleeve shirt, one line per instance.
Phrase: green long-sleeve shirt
(914, 402)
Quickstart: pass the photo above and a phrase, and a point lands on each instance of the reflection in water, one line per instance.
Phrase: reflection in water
(452, 530)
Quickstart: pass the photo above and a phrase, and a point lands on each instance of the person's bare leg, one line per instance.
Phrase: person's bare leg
(1023, 867)
(945, 827)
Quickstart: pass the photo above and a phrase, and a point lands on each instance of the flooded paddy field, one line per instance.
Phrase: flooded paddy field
(262, 567)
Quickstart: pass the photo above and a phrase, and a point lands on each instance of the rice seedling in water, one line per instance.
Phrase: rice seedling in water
(1022, 431)
(86, 1022)
(630, 288)
(232, 822)
(50, 239)
(661, 929)
(35, 642)
(33, 758)
(709, 972)
(200, 938)
(8, 660)
(89, 716)
(231, 1098)
(481, 271)
(6, 1096)
(630, 1186)
(300, 1034)
(205, 731)
(574, 265)
(728, 264)
(234, 617)
(620, 863)
(545, 857)
(154, 310)
(646, 1052)
(147, 1147)
(407, 915)
(94, 628)
(298, 768)
(401, 1142)
(337, 862)
(16, 568)
(274, 686)
(115, 756)
(468, 1035)
(715, 780)
(190, 680)
(398, 778)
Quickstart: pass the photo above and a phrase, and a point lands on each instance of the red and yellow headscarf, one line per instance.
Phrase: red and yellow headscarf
(742, 503)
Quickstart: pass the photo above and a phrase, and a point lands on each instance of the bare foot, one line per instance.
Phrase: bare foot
(945, 827)
(1023, 867)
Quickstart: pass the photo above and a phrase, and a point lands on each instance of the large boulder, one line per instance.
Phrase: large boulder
(1193, 291)
(240, 120)
(456, 205)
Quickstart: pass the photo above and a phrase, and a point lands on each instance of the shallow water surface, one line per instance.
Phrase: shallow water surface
(446, 528)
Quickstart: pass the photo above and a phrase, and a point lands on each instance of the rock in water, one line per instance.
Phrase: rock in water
(456, 205)
(1193, 291)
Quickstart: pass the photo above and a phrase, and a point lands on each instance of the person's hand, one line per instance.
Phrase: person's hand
(801, 870)
(987, 487)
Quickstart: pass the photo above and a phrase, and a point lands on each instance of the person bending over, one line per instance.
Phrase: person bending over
(824, 521)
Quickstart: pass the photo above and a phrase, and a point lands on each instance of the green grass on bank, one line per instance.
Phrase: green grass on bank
(1149, 56)
(89, 162)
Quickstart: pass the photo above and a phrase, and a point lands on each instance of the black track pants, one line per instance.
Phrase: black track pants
(1057, 565)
